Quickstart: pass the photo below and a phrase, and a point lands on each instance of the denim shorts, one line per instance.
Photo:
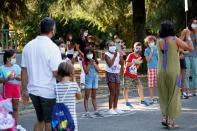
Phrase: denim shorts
(112, 78)
(91, 82)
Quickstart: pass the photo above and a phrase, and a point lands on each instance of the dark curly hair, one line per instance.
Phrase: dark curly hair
(166, 29)
(8, 54)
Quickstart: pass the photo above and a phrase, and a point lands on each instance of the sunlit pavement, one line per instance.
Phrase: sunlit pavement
(138, 119)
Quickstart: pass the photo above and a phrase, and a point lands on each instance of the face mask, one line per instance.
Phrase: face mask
(85, 34)
(13, 61)
(89, 56)
(112, 49)
(70, 37)
(62, 50)
(152, 44)
(194, 26)
(138, 51)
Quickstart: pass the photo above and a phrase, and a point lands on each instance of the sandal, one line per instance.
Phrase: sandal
(171, 124)
(164, 121)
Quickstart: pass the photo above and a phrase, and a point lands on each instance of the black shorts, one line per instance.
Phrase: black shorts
(43, 107)
(183, 63)
(70, 56)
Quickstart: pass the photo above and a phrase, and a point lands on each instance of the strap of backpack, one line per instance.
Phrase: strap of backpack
(62, 99)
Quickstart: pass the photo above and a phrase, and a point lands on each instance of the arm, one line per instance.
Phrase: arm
(78, 49)
(186, 46)
(78, 96)
(86, 67)
(24, 78)
(96, 67)
(18, 78)
(109, 61)
(149, 56)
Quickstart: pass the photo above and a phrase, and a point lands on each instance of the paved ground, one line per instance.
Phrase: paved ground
(139, 119)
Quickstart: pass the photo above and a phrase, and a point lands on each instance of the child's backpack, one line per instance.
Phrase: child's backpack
(6, 119)
(61, 117)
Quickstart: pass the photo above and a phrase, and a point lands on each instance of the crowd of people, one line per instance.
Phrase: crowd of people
(47, 65)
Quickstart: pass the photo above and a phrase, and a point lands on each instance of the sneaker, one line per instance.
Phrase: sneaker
(86, 114)
(128, 104)
(119, 111)
(112, 112)
(96, 113)
(184, 94)
(145, 103)
(20, 128)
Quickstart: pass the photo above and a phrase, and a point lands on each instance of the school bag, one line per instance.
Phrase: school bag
(61, 117)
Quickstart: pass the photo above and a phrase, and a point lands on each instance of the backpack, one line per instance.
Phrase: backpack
(61, 118)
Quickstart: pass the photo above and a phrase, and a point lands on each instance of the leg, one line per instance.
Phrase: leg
(194, 74)
(126, 94)
(93, 96)
(117, 92)
(183, 71)
(151, 91)
(86, 97)
(141, 91)
(187, 74)
(39, 126)
(112, 94)
(15, 103)
(151, 77)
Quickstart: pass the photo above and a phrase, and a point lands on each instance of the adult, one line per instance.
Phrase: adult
(169, 79)
(80, 47)
(191, 58)
(40, 61)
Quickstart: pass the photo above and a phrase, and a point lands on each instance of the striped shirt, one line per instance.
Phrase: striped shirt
(65, 93)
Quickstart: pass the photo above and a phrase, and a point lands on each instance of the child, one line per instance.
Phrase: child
(114, 61)
(71, 89)
(10, 76)
(131, 76)
(152, 61)
(91, 68)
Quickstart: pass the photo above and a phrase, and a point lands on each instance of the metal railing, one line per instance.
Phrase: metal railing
(8, 39)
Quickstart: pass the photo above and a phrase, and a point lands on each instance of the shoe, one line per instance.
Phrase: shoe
(145, 103)
(86, 114)
(20, 128)
(128, 104)
(119, 111)
(184, 94)
(195, 94)
(96, 113)
(112, 112)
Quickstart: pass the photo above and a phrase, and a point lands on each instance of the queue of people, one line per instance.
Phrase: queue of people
(48, 64)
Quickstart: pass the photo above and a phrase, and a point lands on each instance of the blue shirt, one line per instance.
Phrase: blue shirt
(152, 64)
(5, 71)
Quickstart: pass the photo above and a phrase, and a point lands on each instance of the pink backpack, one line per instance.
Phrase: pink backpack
(7, 122)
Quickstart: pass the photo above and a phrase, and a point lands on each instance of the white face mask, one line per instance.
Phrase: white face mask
(112, 49)
(89, 56)
(194, 26)
(152, 44)
(85, 34)
(13, 61)
(62, 50)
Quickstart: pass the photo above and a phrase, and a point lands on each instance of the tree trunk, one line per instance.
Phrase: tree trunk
(139, 18)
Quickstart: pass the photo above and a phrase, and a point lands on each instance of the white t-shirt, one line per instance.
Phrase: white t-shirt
(116, 66)
(65, 93)
(41, 56)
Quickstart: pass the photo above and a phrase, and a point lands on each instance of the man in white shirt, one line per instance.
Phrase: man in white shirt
(40, 61)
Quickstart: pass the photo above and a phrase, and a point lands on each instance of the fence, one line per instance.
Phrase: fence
(8, 39)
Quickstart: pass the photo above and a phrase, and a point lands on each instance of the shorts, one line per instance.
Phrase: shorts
(131, 83)
(152, 77)
(112, 78)
(91, 82)
(11, 91)
(183, 63)
(43, 107)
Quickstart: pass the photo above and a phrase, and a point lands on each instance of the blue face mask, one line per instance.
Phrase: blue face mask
(13, 61)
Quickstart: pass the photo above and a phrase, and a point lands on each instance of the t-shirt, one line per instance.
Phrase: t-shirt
(41, 57)
(14, 70)
(82, 44)
(115, 68)
(67, 91)
(152, 64)
(131, 71)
